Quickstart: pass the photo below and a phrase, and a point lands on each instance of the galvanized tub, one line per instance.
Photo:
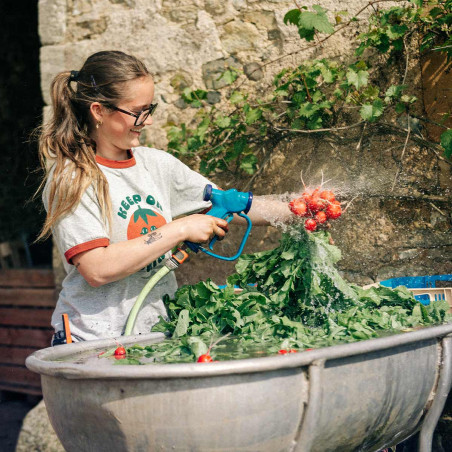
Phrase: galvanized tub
(362, 396)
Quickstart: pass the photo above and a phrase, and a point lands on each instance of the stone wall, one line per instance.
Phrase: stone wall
(387, 231)
(183, 42)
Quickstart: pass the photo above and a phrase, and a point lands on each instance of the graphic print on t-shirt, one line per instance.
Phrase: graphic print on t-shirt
(142, 220)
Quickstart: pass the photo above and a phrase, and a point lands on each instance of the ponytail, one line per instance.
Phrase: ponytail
(65, 145)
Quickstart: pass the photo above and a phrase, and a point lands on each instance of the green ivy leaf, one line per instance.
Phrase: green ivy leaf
(253, 115)
(202, 129)
(370, 112)
(327, 73)
(418, 3)
(229, 76)
(281, 92)
(317, 20)
(315, 123)
(396, 31)
(299, 97)
(304, 33)
(338, 93)
(223, 122)
(236, 97)
(248, 163)
(400, 108)
(446, 143)
(297, 124)
(371, 93)
(394, 92)
(193, 143)
(408, 99)
(292, 17)
(194, 98)
(237, 149)
(308, 109)
(358, 78)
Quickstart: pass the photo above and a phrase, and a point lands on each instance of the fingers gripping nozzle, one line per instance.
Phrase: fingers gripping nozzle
(224, 205)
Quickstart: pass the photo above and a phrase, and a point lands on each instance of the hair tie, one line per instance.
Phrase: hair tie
(74, 76)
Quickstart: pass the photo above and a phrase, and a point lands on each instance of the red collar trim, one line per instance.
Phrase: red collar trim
(117, 163)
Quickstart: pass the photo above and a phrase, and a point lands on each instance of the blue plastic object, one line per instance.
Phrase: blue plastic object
(417, 282)
(224, 205)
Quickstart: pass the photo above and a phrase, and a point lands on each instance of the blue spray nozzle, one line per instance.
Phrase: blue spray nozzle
(224, 205)
(228, 201)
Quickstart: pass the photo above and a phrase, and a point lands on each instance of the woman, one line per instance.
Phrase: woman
(110, 202)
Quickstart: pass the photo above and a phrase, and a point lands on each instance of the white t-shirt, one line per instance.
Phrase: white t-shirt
(147, 190)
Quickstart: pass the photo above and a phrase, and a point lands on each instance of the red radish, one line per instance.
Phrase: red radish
(205, 358)
(307, 195)
(334, 210)
(298, 207)
(310, 224)
(320, 217)
(285, 352)
(120, 351)
(315, 204)
(327, 195)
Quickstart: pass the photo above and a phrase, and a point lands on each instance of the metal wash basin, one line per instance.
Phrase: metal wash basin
(362, 396)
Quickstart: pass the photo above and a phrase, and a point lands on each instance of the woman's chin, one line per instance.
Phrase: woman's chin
(134, 142)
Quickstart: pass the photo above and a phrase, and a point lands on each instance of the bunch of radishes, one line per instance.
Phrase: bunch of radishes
(318, 206)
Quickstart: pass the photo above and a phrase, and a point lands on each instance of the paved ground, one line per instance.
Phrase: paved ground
(13, 408)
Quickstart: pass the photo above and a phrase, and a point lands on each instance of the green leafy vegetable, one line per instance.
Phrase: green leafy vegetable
(290, 297)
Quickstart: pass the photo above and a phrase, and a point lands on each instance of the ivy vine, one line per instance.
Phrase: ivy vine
(319, 96)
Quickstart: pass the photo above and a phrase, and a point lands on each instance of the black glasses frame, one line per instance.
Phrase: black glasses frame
(150, 110)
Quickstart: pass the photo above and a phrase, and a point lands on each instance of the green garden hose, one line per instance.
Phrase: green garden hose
(143, 294)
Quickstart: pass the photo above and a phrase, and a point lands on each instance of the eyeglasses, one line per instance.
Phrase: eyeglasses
(140, 117)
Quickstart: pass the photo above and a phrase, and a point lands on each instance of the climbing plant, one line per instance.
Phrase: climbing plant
(321, 96)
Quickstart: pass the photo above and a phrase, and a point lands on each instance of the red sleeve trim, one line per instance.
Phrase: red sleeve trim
(77, 249)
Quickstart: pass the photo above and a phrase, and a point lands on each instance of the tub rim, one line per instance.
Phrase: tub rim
(41, 360)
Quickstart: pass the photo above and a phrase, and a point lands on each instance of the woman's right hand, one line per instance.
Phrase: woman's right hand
(200, 228)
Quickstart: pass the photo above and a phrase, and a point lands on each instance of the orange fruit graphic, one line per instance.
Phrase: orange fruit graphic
(144, 221)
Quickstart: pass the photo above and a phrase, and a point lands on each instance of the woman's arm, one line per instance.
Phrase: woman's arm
(103, 265)
(266, 210)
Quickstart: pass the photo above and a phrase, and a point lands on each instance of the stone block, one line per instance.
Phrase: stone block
(215, 7)
(213, 97)
(52, 21)
(213, 70)
(239, 36)
(181, 80)
(52, 62)
(253, 71)
(128, 3)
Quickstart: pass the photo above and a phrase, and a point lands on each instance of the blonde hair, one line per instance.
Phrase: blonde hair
(65, 144)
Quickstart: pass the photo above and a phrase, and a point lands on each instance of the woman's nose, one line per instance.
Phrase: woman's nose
(148, 121)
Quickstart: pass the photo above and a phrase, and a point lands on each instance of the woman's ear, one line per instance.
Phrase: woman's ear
(97, 111)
